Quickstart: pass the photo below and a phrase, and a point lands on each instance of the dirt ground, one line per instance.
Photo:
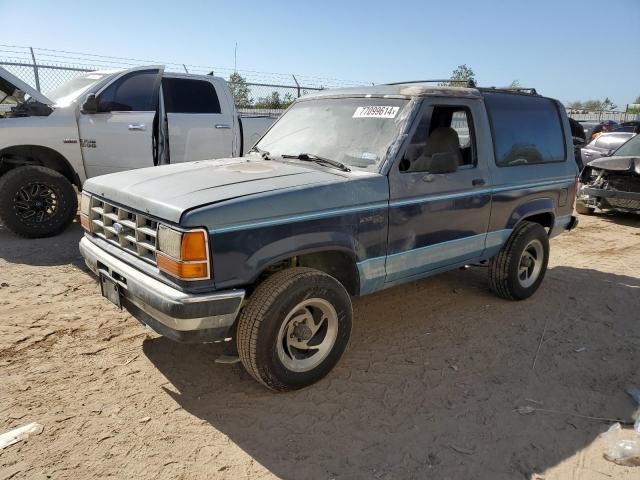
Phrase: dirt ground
(428, 388)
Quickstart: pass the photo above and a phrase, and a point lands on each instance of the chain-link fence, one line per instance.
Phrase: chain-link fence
(255, 92)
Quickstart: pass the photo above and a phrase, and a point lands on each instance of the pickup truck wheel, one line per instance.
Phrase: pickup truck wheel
(517, 270)
(582, 209)
(294, 328)
(36, 201)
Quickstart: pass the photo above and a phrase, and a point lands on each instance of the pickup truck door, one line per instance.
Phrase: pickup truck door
(200, 118)
(437, 220)
(120, 136)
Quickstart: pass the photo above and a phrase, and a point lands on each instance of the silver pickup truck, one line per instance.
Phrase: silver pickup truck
(350, 192)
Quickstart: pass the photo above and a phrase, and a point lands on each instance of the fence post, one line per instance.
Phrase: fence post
(297, 84)
(35, 70)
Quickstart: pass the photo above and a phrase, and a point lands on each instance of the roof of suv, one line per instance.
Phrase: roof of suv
(415, 89)
(403, 90)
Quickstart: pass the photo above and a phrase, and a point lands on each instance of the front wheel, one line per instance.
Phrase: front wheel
(517, 270)
(294, 328)
(36, 201)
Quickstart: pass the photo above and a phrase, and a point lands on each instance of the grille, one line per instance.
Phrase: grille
(133, 232)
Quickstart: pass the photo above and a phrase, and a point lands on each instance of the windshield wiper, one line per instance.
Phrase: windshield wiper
(263, 153)
(310, 157)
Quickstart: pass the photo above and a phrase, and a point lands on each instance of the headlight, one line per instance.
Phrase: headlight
(184, 254)
(85, 210)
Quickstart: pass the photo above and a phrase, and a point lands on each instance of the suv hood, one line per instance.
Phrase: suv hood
(14, 87)
(617, 164)
(166, 192)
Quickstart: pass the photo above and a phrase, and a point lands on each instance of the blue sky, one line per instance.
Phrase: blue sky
(567, 49)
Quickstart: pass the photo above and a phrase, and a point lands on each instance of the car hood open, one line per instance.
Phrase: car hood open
(617, 164)
(166, 192)
(14, 87)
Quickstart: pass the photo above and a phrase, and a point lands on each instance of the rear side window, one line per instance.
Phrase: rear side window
(526, 129)
(182, 95)
(133, 92)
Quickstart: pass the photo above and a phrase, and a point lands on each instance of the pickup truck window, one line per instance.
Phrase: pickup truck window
(132, 92)
(526, 129)
(441, 129)
(189, 96)
(69, 91)
(353, 131)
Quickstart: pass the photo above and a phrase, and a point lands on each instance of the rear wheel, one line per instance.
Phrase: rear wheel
(294, 328)
(36, 201)
(517, 270)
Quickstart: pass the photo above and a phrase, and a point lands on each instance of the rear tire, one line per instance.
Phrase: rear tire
(582, 209)
(516, 272)
(36, 201)
(294, 328)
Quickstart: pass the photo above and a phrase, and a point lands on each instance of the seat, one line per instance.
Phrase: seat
(441, 140)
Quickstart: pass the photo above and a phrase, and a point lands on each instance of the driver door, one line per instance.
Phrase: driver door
(437, 220)
(120, 136)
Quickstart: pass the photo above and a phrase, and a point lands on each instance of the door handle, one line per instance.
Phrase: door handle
(476, 182)
(137, 126)
(223, 126)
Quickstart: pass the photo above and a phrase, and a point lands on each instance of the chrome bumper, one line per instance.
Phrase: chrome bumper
(185, 317)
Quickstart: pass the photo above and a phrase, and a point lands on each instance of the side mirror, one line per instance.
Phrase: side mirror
(444, 162)
(579, 142)
(90, 104)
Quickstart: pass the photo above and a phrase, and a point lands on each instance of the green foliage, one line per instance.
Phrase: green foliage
(274, 101)
(240, 90)
(242, 95)
(593, 105)
(515, 84)
(460, 77)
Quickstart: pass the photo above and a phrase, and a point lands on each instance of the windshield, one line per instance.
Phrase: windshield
(353, 131)
(69, 91)
(629, 149)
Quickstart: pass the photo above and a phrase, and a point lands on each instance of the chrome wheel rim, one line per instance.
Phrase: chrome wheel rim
(36, 202)
(307, 335)
(530, 264)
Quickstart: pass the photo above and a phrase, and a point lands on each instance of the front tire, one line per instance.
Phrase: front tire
(516, 272)
(36, 201)
(294, 328)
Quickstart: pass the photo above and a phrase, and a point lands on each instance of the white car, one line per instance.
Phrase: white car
(104, 122)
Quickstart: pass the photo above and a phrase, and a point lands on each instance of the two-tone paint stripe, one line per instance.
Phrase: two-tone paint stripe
(379, 205)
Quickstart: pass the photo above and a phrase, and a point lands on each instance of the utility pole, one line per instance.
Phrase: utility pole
(235, 59)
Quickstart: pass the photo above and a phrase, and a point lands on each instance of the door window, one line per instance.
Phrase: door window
(132, 92)
(441, 129)
(182, 95)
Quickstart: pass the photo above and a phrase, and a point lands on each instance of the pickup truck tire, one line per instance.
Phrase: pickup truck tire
(36, 201)
(516, 272)
(582, 209)
(294, 328)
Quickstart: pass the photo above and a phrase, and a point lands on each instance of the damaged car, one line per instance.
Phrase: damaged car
(613, 182)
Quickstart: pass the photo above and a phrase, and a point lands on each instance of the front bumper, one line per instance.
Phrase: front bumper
(598, 197)
(180, 316)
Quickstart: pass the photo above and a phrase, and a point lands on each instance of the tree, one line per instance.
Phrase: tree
(607, 104)
(637, 100)
(239, 90)
(592, 105)
(576, 105)
(460, 77)
(515, 84)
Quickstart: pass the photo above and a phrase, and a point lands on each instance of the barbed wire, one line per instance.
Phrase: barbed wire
(90, 61)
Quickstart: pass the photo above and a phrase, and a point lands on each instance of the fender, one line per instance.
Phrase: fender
(248, 262)
(40, 155)
(539, 206)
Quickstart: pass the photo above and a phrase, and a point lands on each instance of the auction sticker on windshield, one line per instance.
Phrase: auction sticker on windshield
(376, 112)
